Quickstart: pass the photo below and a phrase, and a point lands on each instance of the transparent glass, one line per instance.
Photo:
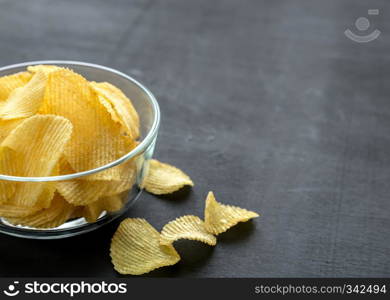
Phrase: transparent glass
(136, 161)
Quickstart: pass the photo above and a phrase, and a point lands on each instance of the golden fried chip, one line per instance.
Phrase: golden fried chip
(65, 215)
(165, 179)
(43, 68)
(13, 211)
(96, 139)
(43, 216)
(220, 217)
(81, 192)
(7, 188)
(136, 249)
(36, 144)
(6, 126)
(93, 211)
(186, 227)
(11, 82)
(121, 109)
(25, 101)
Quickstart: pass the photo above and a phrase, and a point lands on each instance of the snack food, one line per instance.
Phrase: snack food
(165, 179)
(136, 249)
(55, 122)
(186, 227)
(220, 217)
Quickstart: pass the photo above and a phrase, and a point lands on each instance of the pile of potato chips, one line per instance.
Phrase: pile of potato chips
(55, 122)
(138, 248)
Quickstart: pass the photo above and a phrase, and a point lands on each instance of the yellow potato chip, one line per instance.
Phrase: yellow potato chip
(186, 227)
(136, 249)
(65, 215)
(11, 82)
(121, 109)
(165, 179)
(42, 216)
(12, 211)
(36, 144)
(25, 101)
(93, 211)
(7, 188)
(6, 126)
(43, 68)
(220, 217)
(96, 139)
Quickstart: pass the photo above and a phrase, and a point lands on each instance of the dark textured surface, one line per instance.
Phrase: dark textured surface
(265, 102)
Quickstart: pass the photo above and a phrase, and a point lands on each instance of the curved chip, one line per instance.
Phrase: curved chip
(121, 109)
(186, 227)
(96, 139)
(6, 126)
(165, 179)
(93, 211)
(11, 82)
(41, 217)
(136, 249)
(13, 211)
(25, 101)
(36, 144)
(220, 217)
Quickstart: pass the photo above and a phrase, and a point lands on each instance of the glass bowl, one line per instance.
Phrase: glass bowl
(136, 161)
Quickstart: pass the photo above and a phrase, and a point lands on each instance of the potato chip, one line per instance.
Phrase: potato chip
(121, 109)
(164, 179)
(37, 145)
(6, 126)
(43, 68)
(186, 227)
(93, 211)
(25, 101)
(220, 217)
(7, 188)
(83, 191)
(65, 215)
(42, 216)
(13, 211)
(12, 82)
(96, 139)
(136, 249)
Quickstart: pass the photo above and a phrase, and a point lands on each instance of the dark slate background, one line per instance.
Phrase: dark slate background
(266, 103)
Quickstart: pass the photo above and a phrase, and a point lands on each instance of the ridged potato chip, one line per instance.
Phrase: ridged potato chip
(220, 217)
(136, 249)
(36, 144)
(163, 178)
(7, 188)
(11, 82)
(6, 126)
(96, 139)
(186, 227)
(13, 211)
(121, 109)
(93, 211)
(65, 215)
(25, 101)
(42, 217)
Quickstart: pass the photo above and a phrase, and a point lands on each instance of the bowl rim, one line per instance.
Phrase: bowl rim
(147, 141)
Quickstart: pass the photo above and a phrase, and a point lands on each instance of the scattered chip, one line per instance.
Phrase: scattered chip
(25, 101)
(164, 179)
(136, 249)
(121, 109)
(96, 139)
(36, 145)
(12, 82)
(220, 217)
(186, 227)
